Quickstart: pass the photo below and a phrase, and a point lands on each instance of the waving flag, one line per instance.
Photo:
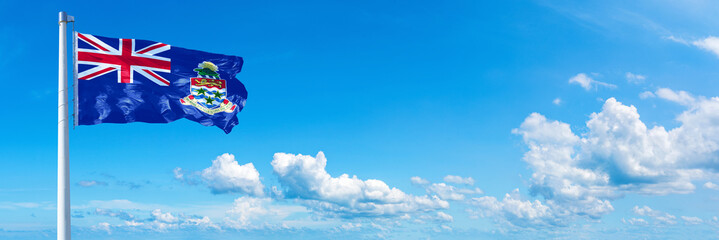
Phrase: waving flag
(132, 80)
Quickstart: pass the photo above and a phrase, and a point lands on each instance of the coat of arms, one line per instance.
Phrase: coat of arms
(207, 91)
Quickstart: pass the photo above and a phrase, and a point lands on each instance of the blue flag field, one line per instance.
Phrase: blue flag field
(132, 80)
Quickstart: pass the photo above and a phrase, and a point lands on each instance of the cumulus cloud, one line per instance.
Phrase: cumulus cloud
(635, 78)
(444, 228)
(660, 216)
(245, 209)
(444, 217)
(680, 97)
(438, 217)
(459, 180)
(133, 223)
(710, 44)
(579, 175)
(711, 185)
(227, 176)
(588, 83)
(187, 177)
(259, 212)
(692, 220)
(305, 178)
(714, 221)
(448, 192)
(635, 221)
(158, 221)
(557, 101)
(179, 174)
(202, 223)
(103, 226)
(515, 211)
(621, 153)
(418, 180)
(166, 217)
(445, 191)
(350, 226)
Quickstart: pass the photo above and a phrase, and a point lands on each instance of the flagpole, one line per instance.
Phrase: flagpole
(63, 164)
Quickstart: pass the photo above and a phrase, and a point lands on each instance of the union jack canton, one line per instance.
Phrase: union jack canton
(130, 80)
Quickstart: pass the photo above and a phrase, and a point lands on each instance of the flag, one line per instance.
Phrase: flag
(130, 80)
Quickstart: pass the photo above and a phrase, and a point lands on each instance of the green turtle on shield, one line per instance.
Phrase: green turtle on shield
(207, 69)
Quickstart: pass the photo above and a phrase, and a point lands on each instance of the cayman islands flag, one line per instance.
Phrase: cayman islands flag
(130, 80)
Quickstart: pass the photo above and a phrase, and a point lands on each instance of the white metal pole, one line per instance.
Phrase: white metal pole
(63, 165)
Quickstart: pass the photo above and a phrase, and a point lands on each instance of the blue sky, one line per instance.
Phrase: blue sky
(451, 120)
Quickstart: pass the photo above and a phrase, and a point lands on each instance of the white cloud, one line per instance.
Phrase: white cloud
(351, 226)
(677, 40)
(445, 192)
(515, 211)
(167, 217)
(448, 192)
(202, 223)
(246, 209)
(438, 217)
(711, 185)
(260, 212)
(583, 80)
(306, 179)
(557, 101)
(588, 83)
(635, 221)
(646, 94)
(227, 176)
(639, 159)
(133, 223)
(643, 211)
(446, 228)
(714, 221)
(635, 78)
(692, 220)
(190, 178)
(459, 180)
(158, 220)
(680, 97)
(444, 217)
(660, 216)
(418, 180)
(669, 219)
(158, 226)
(710, 44)
(179, 174)
(617, 155)
(103, 226)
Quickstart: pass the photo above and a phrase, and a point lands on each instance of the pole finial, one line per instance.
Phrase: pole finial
(63, 17)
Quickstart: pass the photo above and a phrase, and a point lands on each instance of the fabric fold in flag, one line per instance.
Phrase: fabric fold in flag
(131, 80)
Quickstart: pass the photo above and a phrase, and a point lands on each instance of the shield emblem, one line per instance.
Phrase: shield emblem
(208, 92)
(208, 95)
